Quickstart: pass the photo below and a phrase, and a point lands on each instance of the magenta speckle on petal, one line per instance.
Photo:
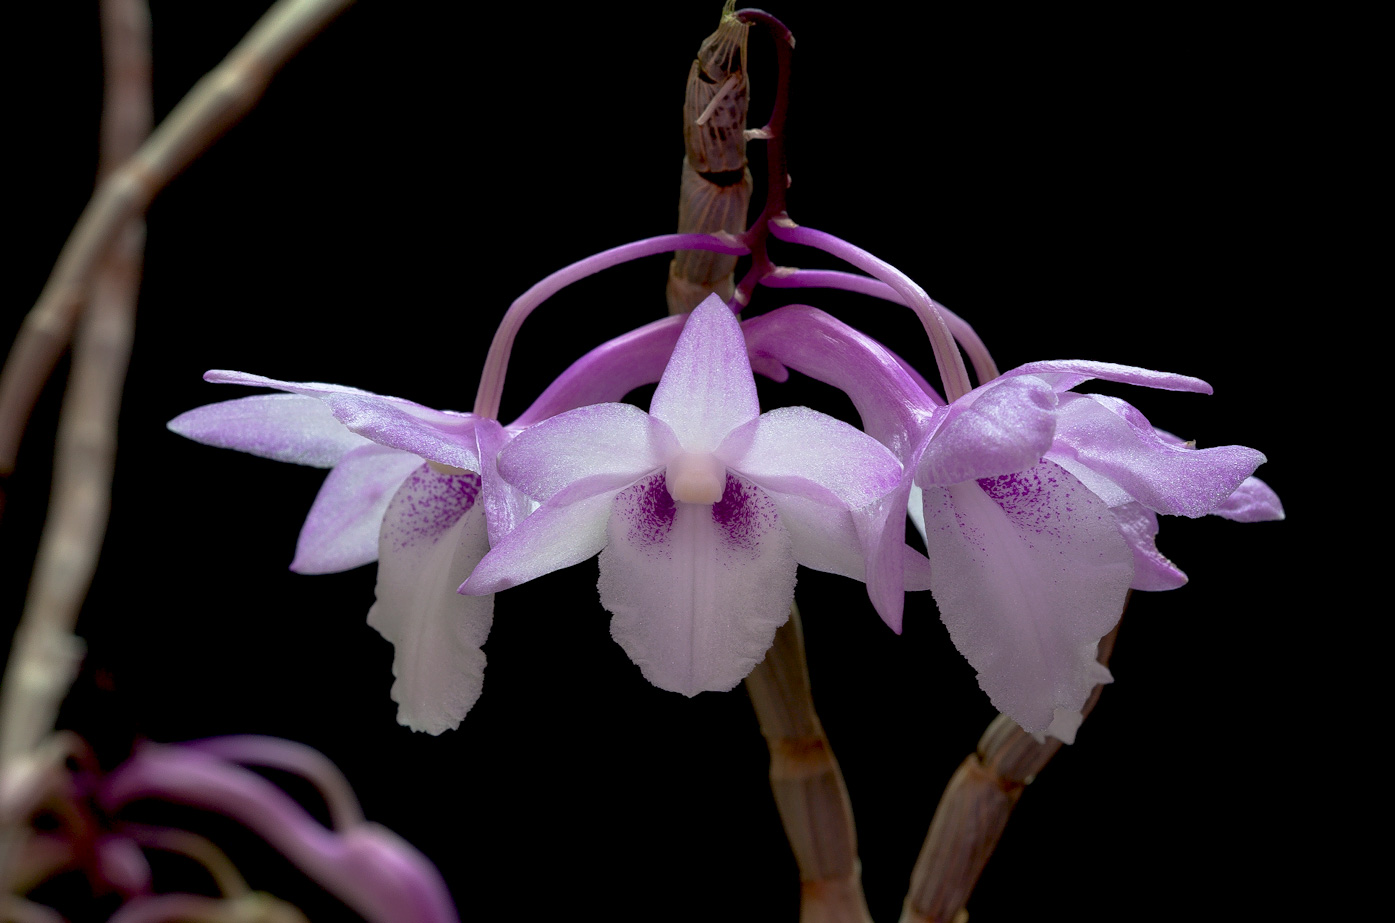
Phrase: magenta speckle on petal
(648, 509)
(742, 515)
(1033, 500)
(427, 505)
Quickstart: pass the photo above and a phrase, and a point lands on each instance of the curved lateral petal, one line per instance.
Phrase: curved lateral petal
(893, 567)
(504, 506)
(432, 537)
(341, 531)
(795, 450)
(1006, 428)
(1029, 573)
(1253, 501)
(1064, 374)
(1151, 570)
(707, 389)
(823, 537)
(551, 538)
(696, 591)
(607, 442)
(438, 435)
(1113, 439)
(282, 427)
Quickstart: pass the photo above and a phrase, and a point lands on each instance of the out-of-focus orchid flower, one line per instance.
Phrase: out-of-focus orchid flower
(1037, 504)
(700, 509)
(366, 865)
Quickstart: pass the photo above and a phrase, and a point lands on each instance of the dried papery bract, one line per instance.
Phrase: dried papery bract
(716, 184)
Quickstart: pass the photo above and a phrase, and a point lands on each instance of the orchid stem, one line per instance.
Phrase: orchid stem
(216, 103)
(973, 813)
(45, 654)
(809, 790)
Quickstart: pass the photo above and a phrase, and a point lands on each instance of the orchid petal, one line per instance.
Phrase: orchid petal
(433, 535)
(1029, 573)
(504, 505)
(554, 536)
(823, 537)
(696, 591)
(1064, 374)
(282, 427)
(796, 450)
(892, 566)
(1151, 570)
(1114, 440)
(1006, 427)
(607, 444)
(442, 436)
(341, 531)
(1252, 501)
(707, 389)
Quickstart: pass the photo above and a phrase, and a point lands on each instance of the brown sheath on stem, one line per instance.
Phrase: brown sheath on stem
(716, 186)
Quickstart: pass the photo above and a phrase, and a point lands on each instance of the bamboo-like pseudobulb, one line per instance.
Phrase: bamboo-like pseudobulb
(974, 811)
(716, 185)
(809, 789)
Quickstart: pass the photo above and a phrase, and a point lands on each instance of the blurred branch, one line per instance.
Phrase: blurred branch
(44, 656)
(215, 103)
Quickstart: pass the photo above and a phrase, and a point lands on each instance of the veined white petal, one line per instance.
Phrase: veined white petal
(696, 591)
(433, 535)
(342, 528)
(1029, 572)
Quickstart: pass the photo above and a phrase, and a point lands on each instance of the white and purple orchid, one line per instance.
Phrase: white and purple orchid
(409, 487)
(402, 489)
(700, 509)
(1038, 505)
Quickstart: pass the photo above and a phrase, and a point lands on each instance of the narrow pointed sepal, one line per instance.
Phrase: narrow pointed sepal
(283, 427)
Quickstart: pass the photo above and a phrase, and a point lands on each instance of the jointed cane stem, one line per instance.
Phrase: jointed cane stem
(808, 785)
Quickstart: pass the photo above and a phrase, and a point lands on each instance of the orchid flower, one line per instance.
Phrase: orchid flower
(700, 509)
(366, 865)
(1038, 505)
(410, 486)
(402, 488)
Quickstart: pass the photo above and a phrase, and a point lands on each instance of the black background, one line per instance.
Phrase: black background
(418, 166)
